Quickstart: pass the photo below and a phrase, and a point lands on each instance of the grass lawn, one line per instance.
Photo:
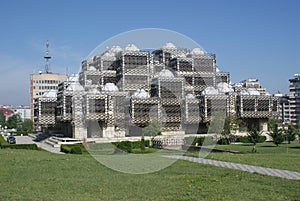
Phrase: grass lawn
(39, 175)
(267, 155)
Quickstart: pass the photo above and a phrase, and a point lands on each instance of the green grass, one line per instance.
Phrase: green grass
(39, 175)
(267, 155)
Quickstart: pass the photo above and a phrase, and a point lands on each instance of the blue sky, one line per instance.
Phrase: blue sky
(252, 39)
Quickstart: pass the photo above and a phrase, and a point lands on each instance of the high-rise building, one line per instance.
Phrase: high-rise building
(295, 99)
(43, 82)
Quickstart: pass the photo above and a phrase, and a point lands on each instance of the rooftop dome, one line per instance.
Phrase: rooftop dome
(190, 96)
(224, 87)
(109, 55)
(131, 48)
(92, 68)
(210, 91)
(166, 73)
(50, 94)
(141, 94)
(115, 49)
(73, 78)
(94, 90)
(253, 91)
(197, 51)
(110, 87)
(169, 46)
(75, 86)
(244, 92)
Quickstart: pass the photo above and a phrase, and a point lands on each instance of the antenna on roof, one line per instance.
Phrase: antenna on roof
(47, 57)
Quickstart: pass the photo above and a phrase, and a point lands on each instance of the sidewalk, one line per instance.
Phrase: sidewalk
(237, 166)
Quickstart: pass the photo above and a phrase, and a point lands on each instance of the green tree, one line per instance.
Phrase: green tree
(2, 118)
(152, 128)
(275, 133)
(290, 133)
(14, 121)
(231, 125)
(253, 136)
(27, 126)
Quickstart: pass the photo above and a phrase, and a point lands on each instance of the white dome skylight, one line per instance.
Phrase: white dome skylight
(166, 73)
(110, 87)
(169, 46)
(131, 48)
(141, 94)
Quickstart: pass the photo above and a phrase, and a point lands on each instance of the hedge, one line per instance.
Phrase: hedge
(20, 146)
(70, 148)
(192, 141)
(245, 139)
(128, 146)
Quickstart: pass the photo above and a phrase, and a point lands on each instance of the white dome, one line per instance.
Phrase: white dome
(169, 46)
(244, 92)
(253, 91)
(141, 94)
(190, 96)
(75, 86)
(180, 55)
(224, 87)
(92, 68)
(131, 48)
(94, 90)
(166, 73)
(108, 55)
(110, 87)
(210, 91)
(197, 51)
(50, 94)
(73, 78)
(115, 49)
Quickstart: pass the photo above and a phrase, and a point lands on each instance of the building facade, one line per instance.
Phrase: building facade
(41, 83)
(120, 90)
(294, 99)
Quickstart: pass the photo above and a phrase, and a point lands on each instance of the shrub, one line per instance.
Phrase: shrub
(223, 141)
(190, 141)
(3, 141)
(67, 148)
(20, 146)
(124, 146)
(76, 150)
(245, 139)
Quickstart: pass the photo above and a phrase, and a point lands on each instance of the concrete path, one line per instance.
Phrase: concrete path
(43, 145)
(249, 168)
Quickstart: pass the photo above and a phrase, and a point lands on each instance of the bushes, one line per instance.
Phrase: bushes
(72, 148)
(3, 141)
(20, 146)
(192, 141)
(128, 146)
(245, 139)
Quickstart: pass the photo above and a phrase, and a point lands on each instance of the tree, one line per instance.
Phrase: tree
(253, 136)
(275, 133)
(2, 118)
(27, 126)
(290, 133)
(152, 128)
(231, 125)
(14, 121)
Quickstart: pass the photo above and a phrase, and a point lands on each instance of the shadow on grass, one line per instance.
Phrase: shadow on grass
(297, 147)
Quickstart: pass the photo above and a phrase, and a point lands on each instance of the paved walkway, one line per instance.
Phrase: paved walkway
(43, 145)
(237, 166)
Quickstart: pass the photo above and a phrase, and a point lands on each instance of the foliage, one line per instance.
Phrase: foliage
(67, 148)
(290, 133)
(124, 146)
(245, 139)
(152, 128)
(3, 141)
(76, 150)
(20, 146)
(26, 127)
(253, 136)
(275, 133)
(14, 121)
(2, 118)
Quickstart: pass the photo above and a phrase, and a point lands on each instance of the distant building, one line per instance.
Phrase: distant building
(255, 84)
(294, 98)
(7, 112)
(41, 83)
(23, 111)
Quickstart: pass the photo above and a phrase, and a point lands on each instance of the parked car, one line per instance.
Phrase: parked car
(11, 139)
